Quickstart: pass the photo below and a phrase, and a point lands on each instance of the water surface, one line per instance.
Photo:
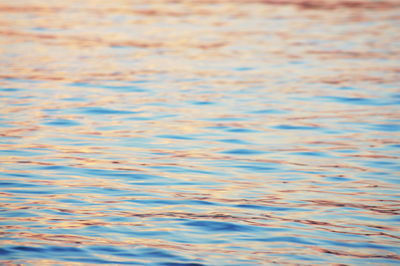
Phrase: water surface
(199, 132)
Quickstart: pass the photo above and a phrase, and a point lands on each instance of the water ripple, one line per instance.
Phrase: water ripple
(199, 133)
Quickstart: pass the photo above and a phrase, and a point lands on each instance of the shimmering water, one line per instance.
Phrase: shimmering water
(199, 132)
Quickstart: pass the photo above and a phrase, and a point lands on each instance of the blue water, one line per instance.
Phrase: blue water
(201, 133)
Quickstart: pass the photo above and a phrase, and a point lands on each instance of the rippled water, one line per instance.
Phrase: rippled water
(199, 132)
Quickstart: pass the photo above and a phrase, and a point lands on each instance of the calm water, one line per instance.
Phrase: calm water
(199, 132)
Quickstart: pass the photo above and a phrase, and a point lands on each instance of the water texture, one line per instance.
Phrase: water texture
(199, 132)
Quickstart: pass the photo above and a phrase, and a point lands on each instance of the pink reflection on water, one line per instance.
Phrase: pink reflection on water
(134, 125)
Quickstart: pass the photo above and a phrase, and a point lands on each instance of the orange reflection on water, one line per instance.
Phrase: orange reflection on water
(215, 132)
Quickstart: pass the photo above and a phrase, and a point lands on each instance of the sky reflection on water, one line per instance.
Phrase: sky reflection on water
(199, 133)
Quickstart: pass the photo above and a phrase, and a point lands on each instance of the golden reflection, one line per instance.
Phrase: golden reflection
(262, 129)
